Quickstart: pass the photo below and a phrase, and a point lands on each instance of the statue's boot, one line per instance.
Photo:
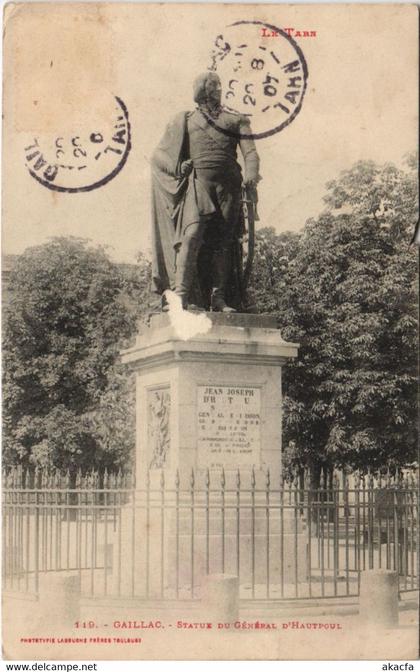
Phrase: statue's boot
(186, 269)
(221, 268)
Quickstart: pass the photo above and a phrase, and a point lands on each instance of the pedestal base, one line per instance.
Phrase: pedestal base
(168, 553)
(209, 414)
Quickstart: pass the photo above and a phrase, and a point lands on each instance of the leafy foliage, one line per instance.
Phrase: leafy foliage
(65, 398)
(345, 290)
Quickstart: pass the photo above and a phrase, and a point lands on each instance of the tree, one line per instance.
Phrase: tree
(269, 279)
(349, 298)
(71, 311)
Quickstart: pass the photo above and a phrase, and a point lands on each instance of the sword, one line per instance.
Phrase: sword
(250, 212)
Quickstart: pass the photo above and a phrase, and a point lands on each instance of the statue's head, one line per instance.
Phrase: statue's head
(207, 89)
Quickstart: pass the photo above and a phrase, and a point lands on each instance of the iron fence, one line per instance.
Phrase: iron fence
(283, 539)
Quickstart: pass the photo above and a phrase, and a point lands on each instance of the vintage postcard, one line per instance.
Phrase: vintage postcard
(210, 331)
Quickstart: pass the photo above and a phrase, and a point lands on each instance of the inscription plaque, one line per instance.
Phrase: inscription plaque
(228, 431)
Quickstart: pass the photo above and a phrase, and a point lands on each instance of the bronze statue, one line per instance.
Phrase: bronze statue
(197, 208)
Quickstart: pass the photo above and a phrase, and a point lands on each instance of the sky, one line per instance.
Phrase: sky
(63, 65)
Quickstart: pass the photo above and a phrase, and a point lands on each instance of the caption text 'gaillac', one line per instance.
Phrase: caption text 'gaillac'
(237, 625)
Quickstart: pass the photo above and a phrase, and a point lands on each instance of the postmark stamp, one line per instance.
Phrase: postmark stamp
(85, 159)
(265, 81)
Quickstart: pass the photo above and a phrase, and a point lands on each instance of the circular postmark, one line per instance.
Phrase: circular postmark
(84, 159)
(263, 73)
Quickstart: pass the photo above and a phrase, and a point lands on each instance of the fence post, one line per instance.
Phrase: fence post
(59, 597)
(221, 597)
(379, 597)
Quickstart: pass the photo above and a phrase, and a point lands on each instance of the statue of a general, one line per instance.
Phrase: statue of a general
(197, 208)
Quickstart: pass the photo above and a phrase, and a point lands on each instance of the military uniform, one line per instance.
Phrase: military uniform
(214, 157)
(204, 206)
(211, 145)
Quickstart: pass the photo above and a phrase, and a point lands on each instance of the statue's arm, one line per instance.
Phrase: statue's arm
(249, 152)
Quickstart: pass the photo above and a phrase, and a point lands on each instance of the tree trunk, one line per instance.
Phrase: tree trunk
(73, 497)
(313, 495)
(314, 474)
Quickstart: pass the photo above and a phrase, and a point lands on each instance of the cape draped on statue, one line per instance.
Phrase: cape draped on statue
(176, 202)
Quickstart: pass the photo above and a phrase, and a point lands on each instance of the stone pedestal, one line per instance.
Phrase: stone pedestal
(209, 412)
(213, 400)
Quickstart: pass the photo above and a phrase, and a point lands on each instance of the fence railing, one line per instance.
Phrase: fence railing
(49, 479)
(284, 541)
